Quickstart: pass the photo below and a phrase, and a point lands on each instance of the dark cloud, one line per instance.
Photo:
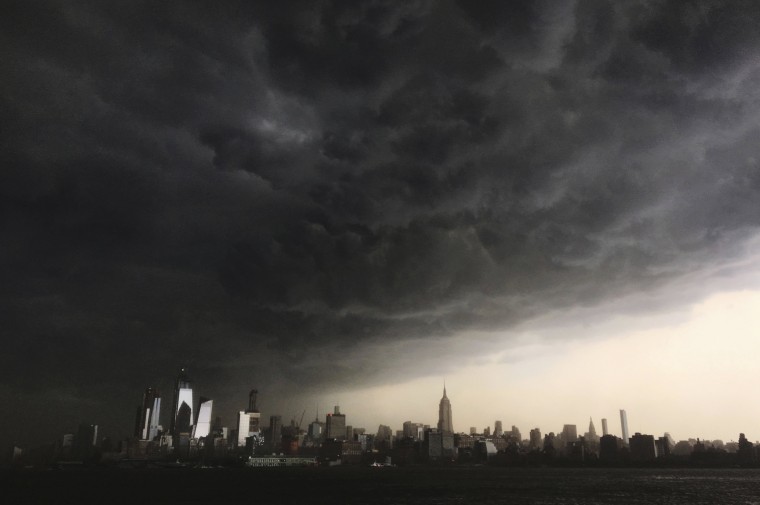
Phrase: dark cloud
(282, 193)
(700, 36)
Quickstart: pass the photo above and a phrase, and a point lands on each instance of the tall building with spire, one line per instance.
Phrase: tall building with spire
(591, 435)
(181, 422)
(444, 414)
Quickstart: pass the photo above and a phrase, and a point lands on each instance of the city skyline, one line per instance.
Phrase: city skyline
(333, 429)
(552, 205)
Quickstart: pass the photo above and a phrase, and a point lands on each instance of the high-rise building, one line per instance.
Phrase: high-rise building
(335, 425)
(515, 433)
(550, 441)
(184, 423)
(609, 448)
(643, 448)
(316, 428)
(438, 445)
(154, 426)
(663, 447)
(202, 425)
(181, 422)
(569, 433)
(591, 435)
(535, 439)
(497, 429)
(249, 425)
(146, 427)
(249, 422)
(414, 431)
(605, 431)
(252, 399)
(85, 441)
(624, 426)
(444, 414)
(384, 437)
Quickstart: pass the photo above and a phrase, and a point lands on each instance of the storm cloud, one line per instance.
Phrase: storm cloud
(289, 194)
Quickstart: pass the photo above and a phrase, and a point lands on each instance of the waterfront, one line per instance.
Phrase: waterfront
(361, 485)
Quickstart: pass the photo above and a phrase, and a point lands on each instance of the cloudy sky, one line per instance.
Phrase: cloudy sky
(552, 206)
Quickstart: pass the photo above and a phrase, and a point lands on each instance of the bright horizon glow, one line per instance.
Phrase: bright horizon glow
(693, 378)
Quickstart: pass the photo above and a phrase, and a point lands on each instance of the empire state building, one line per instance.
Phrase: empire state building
(444, 414)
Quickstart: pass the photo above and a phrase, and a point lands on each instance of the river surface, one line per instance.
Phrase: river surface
(402, 486)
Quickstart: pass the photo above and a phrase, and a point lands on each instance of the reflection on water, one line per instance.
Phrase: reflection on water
(421, 485)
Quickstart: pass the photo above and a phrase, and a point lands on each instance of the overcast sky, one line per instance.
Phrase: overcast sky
(547, 204)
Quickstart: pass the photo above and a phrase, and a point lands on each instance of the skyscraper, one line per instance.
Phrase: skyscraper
(85, 441)
(253, 397)
(624, 426)
(249, 421)
(591, 435)
(515, 433)
(535, 439)
(643, 448)
(444, 414)
(316, 429)
(154, 425)
(184, 423)
(203, 423)
(413, 430)
(335, 425)
(181, 422)
(605, 431)
(570, 433)
(497, 429)
(146, 427)
(384, 437)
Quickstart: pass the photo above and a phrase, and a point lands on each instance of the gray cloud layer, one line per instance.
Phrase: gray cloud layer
(261, 190)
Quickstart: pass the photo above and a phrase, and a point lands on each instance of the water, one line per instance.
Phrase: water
(420, 485)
